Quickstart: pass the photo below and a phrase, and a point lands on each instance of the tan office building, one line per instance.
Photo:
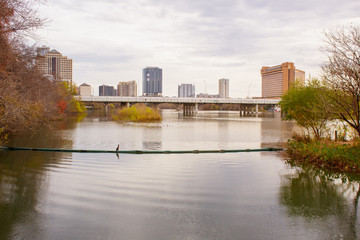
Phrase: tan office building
(53, 63)
(127, 89)
(277, 80)
(223, 88)
(85, 90)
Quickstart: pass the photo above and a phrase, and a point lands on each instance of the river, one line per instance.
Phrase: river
(249, 195)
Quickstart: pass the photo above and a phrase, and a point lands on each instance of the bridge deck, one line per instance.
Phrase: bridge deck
(107, 99)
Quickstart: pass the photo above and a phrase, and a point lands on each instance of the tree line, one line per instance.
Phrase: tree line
(27, 98)
(335, 97)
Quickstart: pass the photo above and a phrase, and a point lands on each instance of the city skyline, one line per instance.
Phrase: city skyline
(197, 43)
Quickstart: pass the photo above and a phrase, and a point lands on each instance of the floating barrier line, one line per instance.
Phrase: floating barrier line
(139, 151)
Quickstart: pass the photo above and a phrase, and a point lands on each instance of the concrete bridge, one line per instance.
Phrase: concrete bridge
(190, 105)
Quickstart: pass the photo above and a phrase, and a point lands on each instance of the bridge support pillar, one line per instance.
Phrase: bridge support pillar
(189, 109)
(246, 109)
(125, 104)
(106, 108)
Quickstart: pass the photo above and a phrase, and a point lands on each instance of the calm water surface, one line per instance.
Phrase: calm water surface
(192, 196)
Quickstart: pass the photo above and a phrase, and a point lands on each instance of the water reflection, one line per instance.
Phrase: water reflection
(152, 137)
(23, 177)
(200, 196)
(327, 201)
(274, 132)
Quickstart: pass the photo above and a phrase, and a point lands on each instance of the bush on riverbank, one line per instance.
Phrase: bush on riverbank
(137, 113)
(338, 156)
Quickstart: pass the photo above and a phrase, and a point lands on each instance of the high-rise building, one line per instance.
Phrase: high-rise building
(53, 63)
(85, 90)
(277, 80)
(127, 89)
(186, 90)
(223, 88)
(105, 90)
(152, 81)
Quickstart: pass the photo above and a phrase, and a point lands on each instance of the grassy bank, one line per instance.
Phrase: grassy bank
(337, 156)
(137, 113)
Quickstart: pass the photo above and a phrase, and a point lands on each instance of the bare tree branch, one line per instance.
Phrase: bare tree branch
(342, 72)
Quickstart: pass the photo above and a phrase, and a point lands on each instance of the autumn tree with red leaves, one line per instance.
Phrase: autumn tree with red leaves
(27, 98)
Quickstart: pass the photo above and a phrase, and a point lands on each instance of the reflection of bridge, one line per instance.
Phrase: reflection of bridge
(190, 105)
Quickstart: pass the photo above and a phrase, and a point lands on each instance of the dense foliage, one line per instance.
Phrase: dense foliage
(27, 98)
(326, 154)
(338, 95)
(336, 98)
(167, 106)
(137, 113)
(308, 106)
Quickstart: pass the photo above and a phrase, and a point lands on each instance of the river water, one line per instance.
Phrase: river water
(250, 195)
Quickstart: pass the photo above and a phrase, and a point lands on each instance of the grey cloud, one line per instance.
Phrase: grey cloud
(102, 59)
(251, 30)
(232, 64)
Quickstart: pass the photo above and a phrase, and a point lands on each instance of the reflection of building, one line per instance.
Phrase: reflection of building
(105, 90)
(186, 90)
(127, 89)
(152, 81)
(54, 64)
(277, 80)
(224, 88)
(85, 90)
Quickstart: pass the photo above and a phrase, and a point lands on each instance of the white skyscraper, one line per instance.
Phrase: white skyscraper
(223, 88)
(186, 90)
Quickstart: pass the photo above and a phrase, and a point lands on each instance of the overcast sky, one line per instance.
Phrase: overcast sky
(193, 41)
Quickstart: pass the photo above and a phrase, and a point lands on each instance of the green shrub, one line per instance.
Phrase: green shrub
(326, 154)
(137, 113)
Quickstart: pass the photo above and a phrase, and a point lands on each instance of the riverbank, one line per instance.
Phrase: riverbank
(332, 155)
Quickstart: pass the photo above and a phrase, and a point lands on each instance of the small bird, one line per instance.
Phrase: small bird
(117, 149)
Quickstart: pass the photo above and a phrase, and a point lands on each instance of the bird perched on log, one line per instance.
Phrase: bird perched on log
(117, 149)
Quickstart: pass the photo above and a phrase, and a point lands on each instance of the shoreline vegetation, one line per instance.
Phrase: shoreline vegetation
(28, 98)
(328, 106)
(137, 113)
(337, 156)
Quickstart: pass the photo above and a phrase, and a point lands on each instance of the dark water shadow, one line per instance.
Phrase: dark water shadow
(24, 178)
(326, 200)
